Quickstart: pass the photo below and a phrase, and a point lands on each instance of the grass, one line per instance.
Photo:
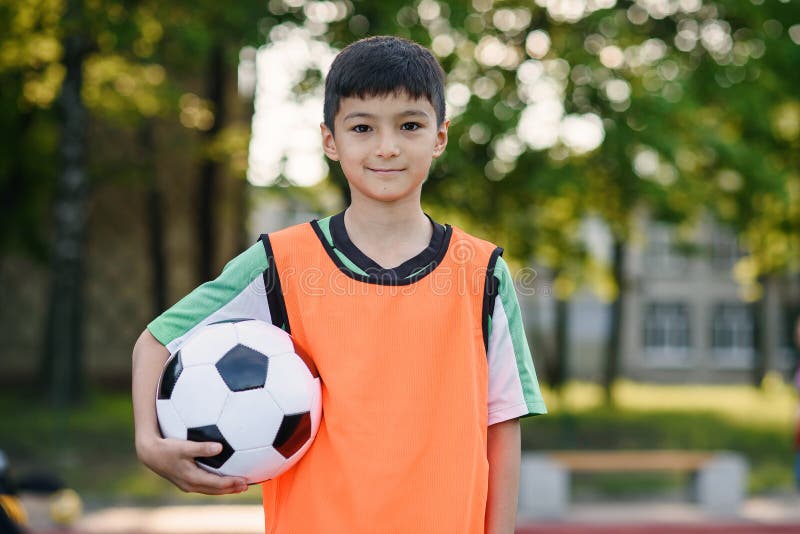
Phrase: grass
(771, 406)
(91, 446)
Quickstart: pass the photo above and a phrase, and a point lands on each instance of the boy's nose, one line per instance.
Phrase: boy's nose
(387, 147)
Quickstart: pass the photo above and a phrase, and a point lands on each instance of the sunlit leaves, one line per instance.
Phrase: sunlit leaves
(195, 112)
(785, 120)
(119, 88)
(150, 32)
(30, 48)
(42, 87)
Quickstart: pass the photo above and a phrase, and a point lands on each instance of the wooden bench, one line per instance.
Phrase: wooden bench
(545, 476)
(631, 461)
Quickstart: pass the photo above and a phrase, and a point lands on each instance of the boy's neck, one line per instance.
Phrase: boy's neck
(388, 234)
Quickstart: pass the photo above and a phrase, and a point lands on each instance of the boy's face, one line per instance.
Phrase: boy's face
(385, 144)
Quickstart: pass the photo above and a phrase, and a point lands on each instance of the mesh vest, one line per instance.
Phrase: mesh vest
(401, 447)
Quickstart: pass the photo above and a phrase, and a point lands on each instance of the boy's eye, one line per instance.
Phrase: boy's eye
(360, 128)
(411, 126)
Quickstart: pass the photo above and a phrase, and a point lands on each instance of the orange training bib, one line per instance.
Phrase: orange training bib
(402, 444)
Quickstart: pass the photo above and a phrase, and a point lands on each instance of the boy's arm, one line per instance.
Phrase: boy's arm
(173, 459)
(503, 452)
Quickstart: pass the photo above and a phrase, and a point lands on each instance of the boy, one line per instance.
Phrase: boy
(413, 326)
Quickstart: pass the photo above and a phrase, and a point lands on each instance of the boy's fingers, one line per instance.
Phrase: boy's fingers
(203, 449)
(188, 476)
(204, 482)
(193, 449)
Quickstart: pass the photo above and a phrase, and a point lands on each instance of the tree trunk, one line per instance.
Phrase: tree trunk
(242, 213)
(243, 197)
(206, 220)
(19, 228)
(63, 359)
(561, 352)
(767, 312)
(556, 356)
(613, 343)
(155, 220)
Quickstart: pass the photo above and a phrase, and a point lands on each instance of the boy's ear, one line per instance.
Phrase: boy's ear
(328, 143)
(441, 139)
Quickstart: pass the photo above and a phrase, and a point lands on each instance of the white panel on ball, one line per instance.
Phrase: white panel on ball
(169, 421)
(290, 383)
(250, 419)
(263, 337)
(199, 406)
(209, 344)
(257, 465)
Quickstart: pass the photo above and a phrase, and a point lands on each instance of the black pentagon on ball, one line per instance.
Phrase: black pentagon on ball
(211, 433)
(294, 432)
(243, 368)
(170, 376)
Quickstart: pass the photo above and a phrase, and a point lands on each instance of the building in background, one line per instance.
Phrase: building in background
(685, 317)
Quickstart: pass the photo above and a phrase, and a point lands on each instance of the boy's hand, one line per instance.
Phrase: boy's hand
(173, 459)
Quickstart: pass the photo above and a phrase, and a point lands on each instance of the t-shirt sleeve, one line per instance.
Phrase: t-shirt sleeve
(513, 386)
(237, 293)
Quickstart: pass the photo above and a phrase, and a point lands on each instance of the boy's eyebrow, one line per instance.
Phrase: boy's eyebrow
(406, 113)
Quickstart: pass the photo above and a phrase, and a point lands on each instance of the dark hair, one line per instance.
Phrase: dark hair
(383, 65)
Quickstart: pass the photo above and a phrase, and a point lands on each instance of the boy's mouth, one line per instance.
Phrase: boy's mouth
(384, 171)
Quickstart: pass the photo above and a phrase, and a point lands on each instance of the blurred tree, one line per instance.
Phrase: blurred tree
(109, 59)
(30, 76)
(91, 63)
(64, 335)
(206, 38)
(747, 122)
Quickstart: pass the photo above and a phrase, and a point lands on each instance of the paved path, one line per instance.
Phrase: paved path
(757, 516)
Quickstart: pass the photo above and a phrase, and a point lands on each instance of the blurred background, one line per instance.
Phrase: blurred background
(638, 160)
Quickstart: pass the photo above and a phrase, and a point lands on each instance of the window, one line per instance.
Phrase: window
(666, 332)
(661, 255)
(733, 334)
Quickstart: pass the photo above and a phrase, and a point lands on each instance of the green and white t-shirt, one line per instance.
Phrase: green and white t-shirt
(240, 292)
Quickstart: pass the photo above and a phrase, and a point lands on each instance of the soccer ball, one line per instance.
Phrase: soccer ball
(244, 384)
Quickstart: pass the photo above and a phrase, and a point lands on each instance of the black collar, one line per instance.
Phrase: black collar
(432, 253)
